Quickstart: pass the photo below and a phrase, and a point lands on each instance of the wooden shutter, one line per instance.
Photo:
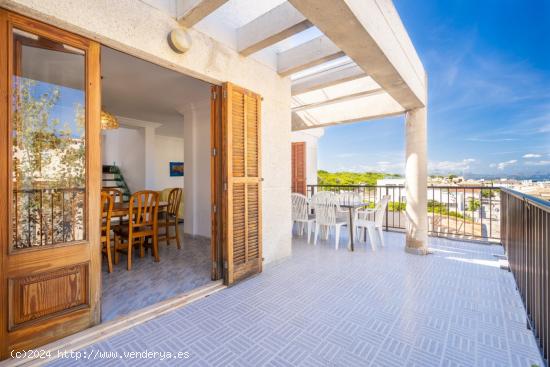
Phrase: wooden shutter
(299, 167)
(242, 183)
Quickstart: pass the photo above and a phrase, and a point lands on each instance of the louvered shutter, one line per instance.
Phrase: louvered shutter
(242, 189)
(299, 167)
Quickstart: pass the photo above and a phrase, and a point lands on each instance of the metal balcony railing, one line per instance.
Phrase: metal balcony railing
(525, 223)
(461, 212)
(46, 217)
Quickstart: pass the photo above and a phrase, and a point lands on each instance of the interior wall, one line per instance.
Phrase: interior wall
(168, 149)
(197, 170)
(123, 147)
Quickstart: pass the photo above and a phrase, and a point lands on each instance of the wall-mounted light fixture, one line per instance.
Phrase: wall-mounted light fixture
(179, 40)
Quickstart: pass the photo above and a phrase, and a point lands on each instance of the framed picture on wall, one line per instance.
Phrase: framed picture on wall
(176, 169)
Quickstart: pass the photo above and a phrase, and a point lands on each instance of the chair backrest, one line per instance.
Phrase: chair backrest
(174, 201)
(115, 192)
(322, 196)
(299, 206)
(381, 210)
(349, 197)
(143, 209)
(106, 210)
(325, 204)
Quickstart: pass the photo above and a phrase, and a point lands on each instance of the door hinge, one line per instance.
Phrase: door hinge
(214, 265)
(225, 186)
(215, 208)
(225, 264)
(214, 95)
(214, 152)
(224, 93)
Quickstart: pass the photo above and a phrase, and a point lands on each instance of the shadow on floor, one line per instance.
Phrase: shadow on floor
(178, 271)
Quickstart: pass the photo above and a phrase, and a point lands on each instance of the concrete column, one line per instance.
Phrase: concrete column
(416, 186)
(150, 159)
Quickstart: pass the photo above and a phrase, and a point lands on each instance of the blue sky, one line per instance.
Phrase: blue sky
(488, 64)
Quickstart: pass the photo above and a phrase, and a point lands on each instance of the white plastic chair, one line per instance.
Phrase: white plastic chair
(372, 221)
(325, 205)
(349, 197)
(301, 215)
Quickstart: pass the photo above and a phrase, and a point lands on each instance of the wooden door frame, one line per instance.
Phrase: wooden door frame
(17, 264)
(216, 185)
(4, 174)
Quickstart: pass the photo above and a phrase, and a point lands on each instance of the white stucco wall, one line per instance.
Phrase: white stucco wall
(168, 149)
(311, 138)
(121, 147)
(196, 131)
(124, 147)
(139, 29)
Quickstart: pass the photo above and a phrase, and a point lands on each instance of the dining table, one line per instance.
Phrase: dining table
(352, 208)
(121, 209)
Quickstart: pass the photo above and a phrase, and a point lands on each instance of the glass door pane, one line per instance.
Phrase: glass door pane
(48, 125)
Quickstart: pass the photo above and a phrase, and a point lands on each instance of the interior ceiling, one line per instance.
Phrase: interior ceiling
(140, 90)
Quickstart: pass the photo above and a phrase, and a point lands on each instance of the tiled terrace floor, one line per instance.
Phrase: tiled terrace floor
(324, 307)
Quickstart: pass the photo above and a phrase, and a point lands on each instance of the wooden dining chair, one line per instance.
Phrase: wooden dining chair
(115, 192)
(118, 197)
(105, 220)
(142, 223)
(169, 218)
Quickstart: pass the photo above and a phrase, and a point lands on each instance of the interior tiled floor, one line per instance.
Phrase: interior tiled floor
(323, 307)
(148, 282)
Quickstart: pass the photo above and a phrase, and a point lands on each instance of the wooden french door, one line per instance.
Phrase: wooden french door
(299, 167)
(49, 183)
(242, 186)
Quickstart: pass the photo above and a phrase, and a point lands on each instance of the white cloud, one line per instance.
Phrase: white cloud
(531, 155)
(538, 163)
(503, 165)
(452, 166)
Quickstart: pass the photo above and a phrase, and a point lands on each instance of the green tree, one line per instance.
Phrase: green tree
(351, 178)
(48, 155)
(488, 193)
(473, 205)
(436, 207)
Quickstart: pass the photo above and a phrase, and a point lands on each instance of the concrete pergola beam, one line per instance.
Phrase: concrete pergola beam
(299, 124)
(348, 97)
(309, 54)
(190, 12)
(276, 25)
(374, 37)
(327, 78)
